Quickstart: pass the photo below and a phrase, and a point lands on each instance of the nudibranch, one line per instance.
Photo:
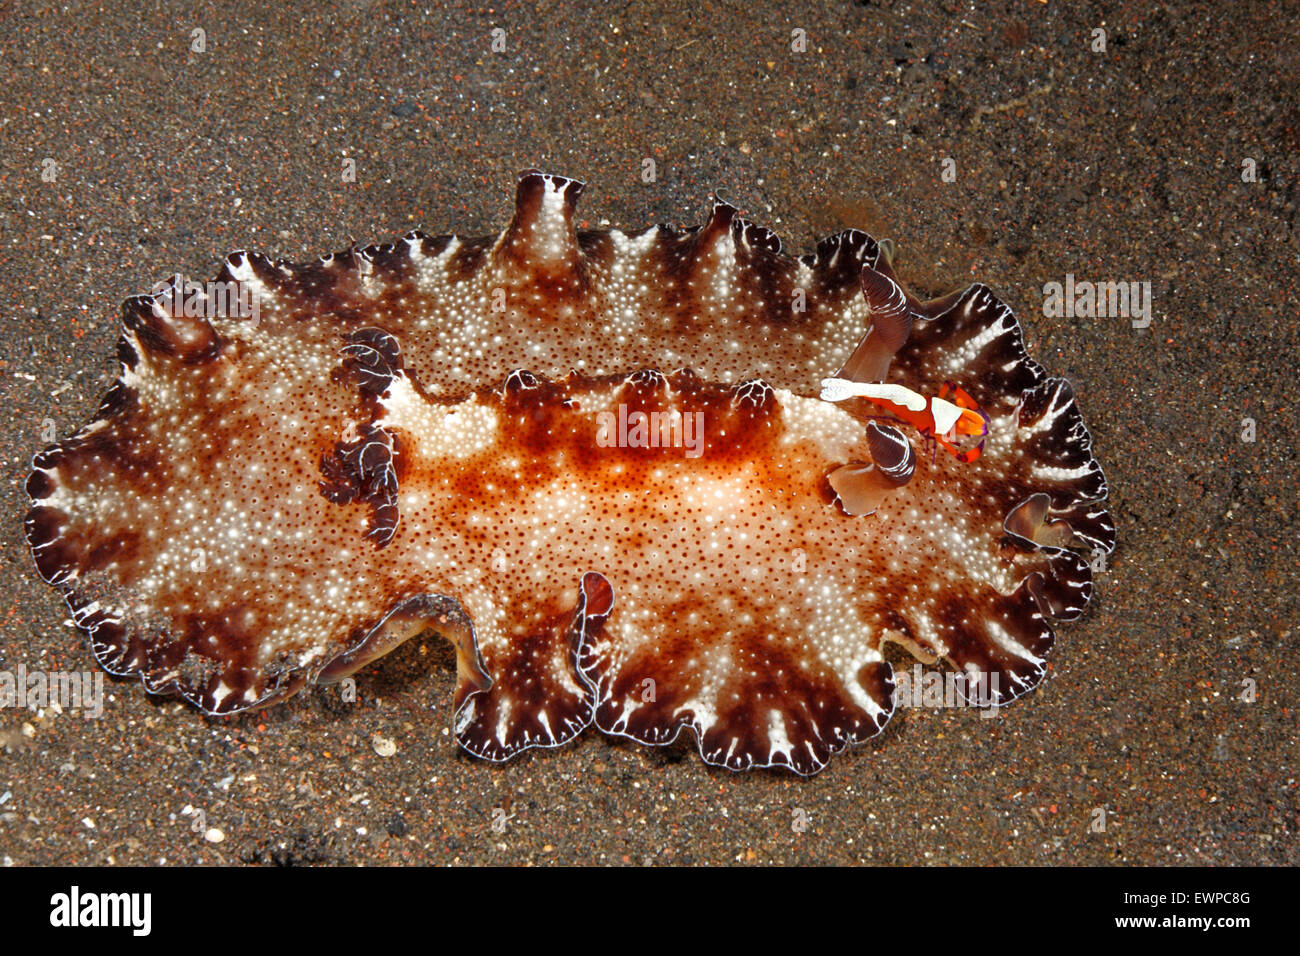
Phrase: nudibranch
(648, 481)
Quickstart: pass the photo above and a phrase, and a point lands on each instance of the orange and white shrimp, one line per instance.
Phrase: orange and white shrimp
(946, 418)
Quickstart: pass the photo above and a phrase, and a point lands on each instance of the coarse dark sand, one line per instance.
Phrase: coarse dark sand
(1122, 164)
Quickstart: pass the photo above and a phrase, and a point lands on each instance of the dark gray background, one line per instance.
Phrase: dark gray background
(1122, 165)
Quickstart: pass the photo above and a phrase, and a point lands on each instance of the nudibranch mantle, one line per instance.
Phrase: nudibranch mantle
(600, 464)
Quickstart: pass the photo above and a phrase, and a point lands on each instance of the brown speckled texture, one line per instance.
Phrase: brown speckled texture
(1112, 166)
